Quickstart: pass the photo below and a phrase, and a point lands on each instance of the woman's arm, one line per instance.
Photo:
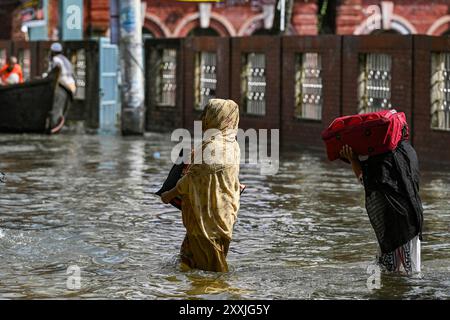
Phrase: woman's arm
(347, 153)
(167, 196)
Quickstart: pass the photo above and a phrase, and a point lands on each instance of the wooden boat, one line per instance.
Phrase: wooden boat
(37, 106)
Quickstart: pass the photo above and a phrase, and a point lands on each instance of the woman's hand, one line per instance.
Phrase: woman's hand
(166, 197)
(347, 153)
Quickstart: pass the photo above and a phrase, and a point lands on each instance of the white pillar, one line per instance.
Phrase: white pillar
(282, 15)
(133, 108)
(205, 14)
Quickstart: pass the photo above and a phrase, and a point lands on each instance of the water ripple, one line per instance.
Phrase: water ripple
(89, 201)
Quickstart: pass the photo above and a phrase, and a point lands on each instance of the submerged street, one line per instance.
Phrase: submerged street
(87, 200)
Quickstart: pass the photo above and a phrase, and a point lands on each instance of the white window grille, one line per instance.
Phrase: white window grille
(440, 91)
(374, 84)
(308, 86)
(254, 83)
(205, 78)
(24, 59)
(3, 57)
(78, 59)
(166, 82)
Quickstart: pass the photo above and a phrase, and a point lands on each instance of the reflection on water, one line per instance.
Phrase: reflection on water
(88, 201)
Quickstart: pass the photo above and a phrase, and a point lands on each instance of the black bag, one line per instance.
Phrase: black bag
(171, 181)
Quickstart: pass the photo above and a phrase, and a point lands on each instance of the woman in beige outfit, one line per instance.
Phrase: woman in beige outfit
(210, 190)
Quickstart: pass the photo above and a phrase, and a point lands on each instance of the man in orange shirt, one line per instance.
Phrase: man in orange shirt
(11, 73)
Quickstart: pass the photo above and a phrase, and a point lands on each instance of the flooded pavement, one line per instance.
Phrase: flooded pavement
(87, 200)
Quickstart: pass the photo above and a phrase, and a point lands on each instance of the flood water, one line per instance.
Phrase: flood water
(87, 200)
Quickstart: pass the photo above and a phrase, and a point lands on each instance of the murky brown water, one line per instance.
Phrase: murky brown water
(88, 200)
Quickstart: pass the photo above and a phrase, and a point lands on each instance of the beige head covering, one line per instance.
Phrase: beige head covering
(221, 115)
(220, 120)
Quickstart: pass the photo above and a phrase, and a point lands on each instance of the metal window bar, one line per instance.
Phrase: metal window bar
(78, 59)
(254, 83)
(167, 77)
(205, 78)
(308, 86)
(3, 57)
(24, 59)
(45, 60)
(440, 91)
(374, 83)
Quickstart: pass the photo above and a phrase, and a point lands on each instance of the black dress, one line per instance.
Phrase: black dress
(391, 183)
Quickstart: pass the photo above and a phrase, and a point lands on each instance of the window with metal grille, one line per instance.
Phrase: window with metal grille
(45, 60)
(24, 60)
(374, 83)
(167, 77)
(308, 86)
(3, 57)
(205, 78)
(254, 83)
(78, 59)
(440, 91)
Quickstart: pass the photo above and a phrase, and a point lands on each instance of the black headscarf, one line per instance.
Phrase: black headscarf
(391, 182)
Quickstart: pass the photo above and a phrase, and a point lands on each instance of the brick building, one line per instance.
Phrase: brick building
(430, 17)
(297, 83)
(173, 18)
(309, 17)
(96, 19)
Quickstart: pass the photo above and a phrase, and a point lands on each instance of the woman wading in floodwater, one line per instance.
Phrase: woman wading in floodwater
(391, 183)
(210, 190)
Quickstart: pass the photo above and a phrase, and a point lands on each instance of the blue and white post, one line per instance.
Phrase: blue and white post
(133, 109)
(71, 23)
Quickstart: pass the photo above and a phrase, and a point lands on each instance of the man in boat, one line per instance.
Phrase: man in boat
(11, 73)
(66, 89)
(58, 59)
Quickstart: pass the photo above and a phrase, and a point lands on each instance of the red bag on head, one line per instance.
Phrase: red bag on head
(367, 134)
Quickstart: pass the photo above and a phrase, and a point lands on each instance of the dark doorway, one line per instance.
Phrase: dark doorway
(198, 32)
(262, 32)
(147, 34)
(327, 16)
(384, 31)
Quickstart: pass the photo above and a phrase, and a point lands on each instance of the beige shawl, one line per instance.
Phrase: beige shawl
(211, 188)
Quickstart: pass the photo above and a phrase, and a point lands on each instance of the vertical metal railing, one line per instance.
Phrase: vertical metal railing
(374, 88)
(254, 83)
(3, 57)
(78, 59)
(206, 78)
(440, 91)
(24, 59)
(308, 86)
(167, 78)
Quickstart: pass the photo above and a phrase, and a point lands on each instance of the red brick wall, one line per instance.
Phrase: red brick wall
(174, 17)
(53, 20)
(96, 14)
(430, 144)
(270, 46)
(163, 118)
(173, 13)
(6, 18)
(399, 48)
(171, 18)
(304, 17)
(420, 13)
(16, 33)
(306, 132)
(221, 47)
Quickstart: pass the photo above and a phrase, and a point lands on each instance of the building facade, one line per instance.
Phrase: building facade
(399, 16)
(173, 18)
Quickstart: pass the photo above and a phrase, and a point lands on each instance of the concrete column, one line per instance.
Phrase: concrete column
(133, 108)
